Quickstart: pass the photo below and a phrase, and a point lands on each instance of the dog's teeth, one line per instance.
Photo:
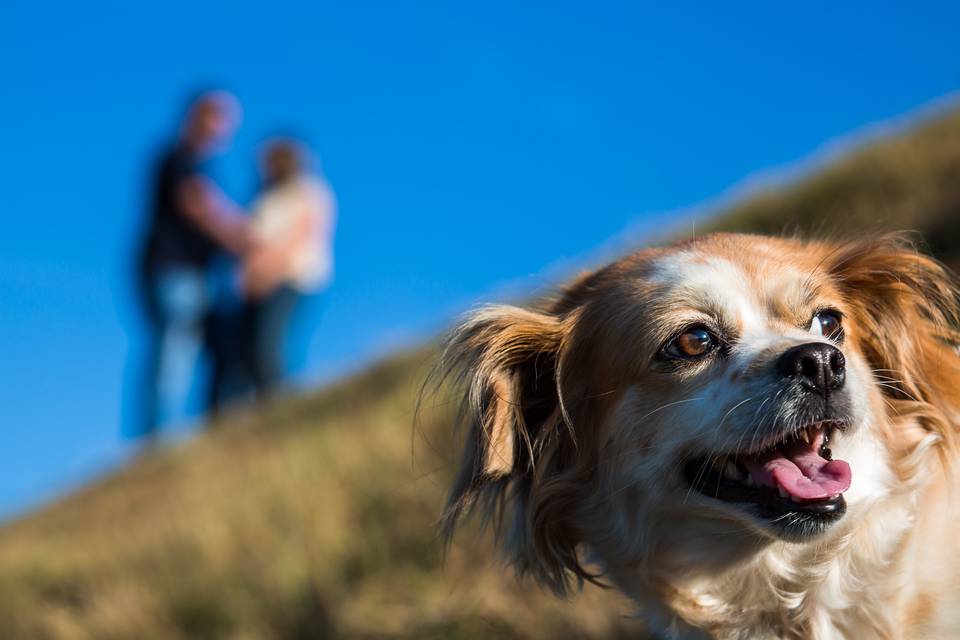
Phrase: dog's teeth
(783, 492)
(749, 480)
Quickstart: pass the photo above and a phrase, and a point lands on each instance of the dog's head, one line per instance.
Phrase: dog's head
(707, 398)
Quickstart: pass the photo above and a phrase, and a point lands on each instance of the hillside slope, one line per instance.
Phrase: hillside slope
(909, 182)
(314, 517)
(311, 518)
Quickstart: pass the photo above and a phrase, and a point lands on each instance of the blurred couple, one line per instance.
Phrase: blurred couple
(281, 250)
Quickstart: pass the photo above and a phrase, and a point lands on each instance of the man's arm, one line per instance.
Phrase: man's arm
(210, 210)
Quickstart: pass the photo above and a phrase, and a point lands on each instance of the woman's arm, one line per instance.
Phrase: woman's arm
(272, 263)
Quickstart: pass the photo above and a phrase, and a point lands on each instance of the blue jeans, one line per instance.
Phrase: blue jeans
(177, 301)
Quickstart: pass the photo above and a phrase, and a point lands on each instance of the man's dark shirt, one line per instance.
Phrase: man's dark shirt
(172, 238)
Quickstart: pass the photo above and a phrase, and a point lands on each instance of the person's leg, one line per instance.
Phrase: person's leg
(222, 338)
(215, 343)
(146, 417)
(234, 376)
(182, 302)
(270, 321)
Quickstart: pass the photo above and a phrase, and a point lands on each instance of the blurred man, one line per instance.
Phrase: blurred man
(191, 220)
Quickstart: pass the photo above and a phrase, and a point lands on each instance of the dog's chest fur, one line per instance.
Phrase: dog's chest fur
(857, 585)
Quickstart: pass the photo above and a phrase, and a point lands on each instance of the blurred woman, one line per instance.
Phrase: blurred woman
(292, 227)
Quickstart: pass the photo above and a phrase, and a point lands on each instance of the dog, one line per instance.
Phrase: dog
(750, 437)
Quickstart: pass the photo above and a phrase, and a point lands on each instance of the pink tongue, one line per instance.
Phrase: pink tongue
(800, 471)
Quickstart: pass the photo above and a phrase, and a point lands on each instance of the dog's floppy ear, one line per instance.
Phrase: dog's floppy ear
(506, 360)
(905, 318)
(906, 309)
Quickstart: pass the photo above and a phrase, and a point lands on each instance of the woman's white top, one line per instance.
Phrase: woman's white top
(277, 216)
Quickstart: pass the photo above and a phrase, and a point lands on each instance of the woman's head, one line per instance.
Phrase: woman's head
(282, 159)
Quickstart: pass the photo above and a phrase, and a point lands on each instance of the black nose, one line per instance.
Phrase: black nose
(818, 366)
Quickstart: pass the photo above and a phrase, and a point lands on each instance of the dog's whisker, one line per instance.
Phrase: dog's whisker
(898, 390)
(669, 404)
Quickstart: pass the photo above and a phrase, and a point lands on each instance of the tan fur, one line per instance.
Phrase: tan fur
(574, 431)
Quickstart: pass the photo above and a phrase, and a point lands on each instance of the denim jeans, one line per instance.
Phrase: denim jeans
(248, 340)
(269, 323)
(177, 300)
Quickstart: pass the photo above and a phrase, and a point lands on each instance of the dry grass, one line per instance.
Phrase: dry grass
(907, 182)
(314, 517)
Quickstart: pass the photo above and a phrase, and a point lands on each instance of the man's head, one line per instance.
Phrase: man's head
(212, 119)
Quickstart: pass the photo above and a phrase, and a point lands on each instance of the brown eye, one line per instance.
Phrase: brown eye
(693, 343)
(827, 324)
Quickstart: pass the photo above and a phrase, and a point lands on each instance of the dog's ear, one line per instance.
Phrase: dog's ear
(905, 318)
(506, 359)
(906, 311)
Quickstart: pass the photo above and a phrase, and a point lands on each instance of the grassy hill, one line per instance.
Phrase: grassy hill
(314, 517)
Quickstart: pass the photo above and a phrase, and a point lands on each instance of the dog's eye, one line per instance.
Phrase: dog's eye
(693, 343)
(827, 323)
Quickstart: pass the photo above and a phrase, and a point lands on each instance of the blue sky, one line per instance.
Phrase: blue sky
(470, 144)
